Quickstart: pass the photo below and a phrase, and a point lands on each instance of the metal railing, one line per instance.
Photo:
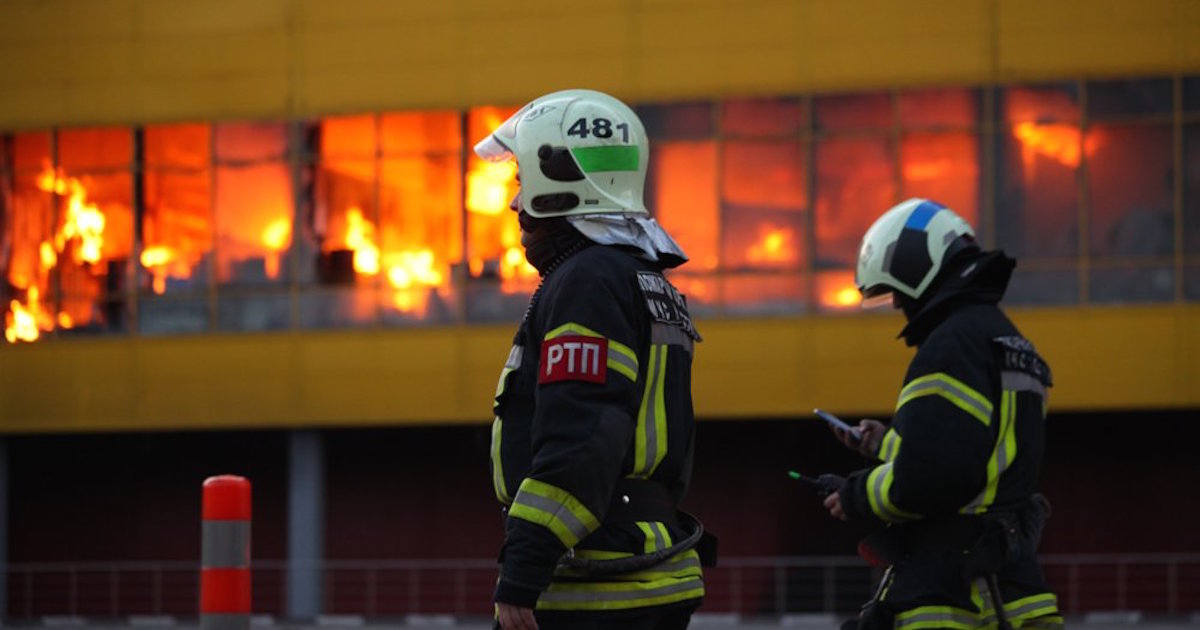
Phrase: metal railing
(752, 586)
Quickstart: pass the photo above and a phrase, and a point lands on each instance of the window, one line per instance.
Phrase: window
(70, 232)
(254, 213)
(500, 278)
(1039, 146)
(682, 195)
(175, 270)
(1191, 209)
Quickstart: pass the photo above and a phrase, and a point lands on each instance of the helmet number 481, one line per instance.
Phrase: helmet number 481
(600, 127)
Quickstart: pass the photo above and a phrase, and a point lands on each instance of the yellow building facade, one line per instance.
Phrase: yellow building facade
(81, 64)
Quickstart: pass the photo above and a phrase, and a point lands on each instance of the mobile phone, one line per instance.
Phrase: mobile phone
(838, 424)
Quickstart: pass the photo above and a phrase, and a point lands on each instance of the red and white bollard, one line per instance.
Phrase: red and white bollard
(225, 554)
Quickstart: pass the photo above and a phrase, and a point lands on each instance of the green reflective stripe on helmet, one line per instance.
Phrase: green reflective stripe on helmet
(879, 483)
(497, 465)
(606, 158)
(936, 617)
(1002, 455)
(889, 447)
(951, 389)
(650, 435)
(555, 509)
(621, 359)
(619, 595)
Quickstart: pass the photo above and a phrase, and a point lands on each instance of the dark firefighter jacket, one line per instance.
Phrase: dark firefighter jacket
(967, 436)
(595, 395)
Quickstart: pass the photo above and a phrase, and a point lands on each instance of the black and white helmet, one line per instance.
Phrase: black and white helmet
(904, 250)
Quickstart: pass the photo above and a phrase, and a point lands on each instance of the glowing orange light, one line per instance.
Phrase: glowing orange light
(83, 222)
(487, 187)
(24, 322)
(276, 236)
(775, 246)
(360, 237)
(837, 291)
(1060, 142)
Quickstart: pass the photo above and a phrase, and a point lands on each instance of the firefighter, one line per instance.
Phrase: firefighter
(956, 483)
(592, 440)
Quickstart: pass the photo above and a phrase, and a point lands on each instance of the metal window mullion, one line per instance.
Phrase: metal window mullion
(138, 200)
(297, 156)
(211, 263)
(1082, 213)
(986, 153)
(718, 138)
(1177, 186)
(810, 175)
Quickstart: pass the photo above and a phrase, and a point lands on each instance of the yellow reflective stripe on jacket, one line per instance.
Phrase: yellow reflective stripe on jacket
(1002, 456)
(650, 436)
(1035, 611)
(497, 465)
(682, 565)
(656, 535)
(511, 363)
(879, 483)
(555, 509)
(620, 358)
(936, 617)
(952, 389)
(889, 446)
(619, 595)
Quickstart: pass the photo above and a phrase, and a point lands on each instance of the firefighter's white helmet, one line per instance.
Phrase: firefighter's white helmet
(904, 249)
(577, 152)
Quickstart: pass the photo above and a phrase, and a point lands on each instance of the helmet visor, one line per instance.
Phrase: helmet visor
(876, 297)
(501, 144)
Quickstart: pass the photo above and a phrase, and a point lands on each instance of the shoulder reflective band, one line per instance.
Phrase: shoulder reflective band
(889, 447)
(650, 435)
(555, 509)
(620, 157)
(498, 484)
(879, 484)
(952, 389)
(1021, 382)
(621, 359)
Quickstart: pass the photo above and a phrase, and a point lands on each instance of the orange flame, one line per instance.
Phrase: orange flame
(83, 223)
(774, 247)
(275, 236)
(164, 262)
(24, 322)
(487, 187)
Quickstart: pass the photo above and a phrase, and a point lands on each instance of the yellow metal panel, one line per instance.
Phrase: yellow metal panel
(1089, 37)
(184, 55)
(1103, 359)
(167, 17)
(374, 13)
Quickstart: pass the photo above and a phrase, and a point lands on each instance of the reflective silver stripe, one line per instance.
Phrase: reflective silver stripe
(556, 510)
(1021, 382)
(576, 597)
(962, 397)
(224, 621)
(224, 544)
(663, 333)
(649, 419)
(960, 618)
(630, 363)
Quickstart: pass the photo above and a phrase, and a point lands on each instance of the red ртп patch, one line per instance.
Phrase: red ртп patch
(573, 358)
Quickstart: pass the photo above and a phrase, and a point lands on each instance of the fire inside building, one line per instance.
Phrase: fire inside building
(252, 238)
